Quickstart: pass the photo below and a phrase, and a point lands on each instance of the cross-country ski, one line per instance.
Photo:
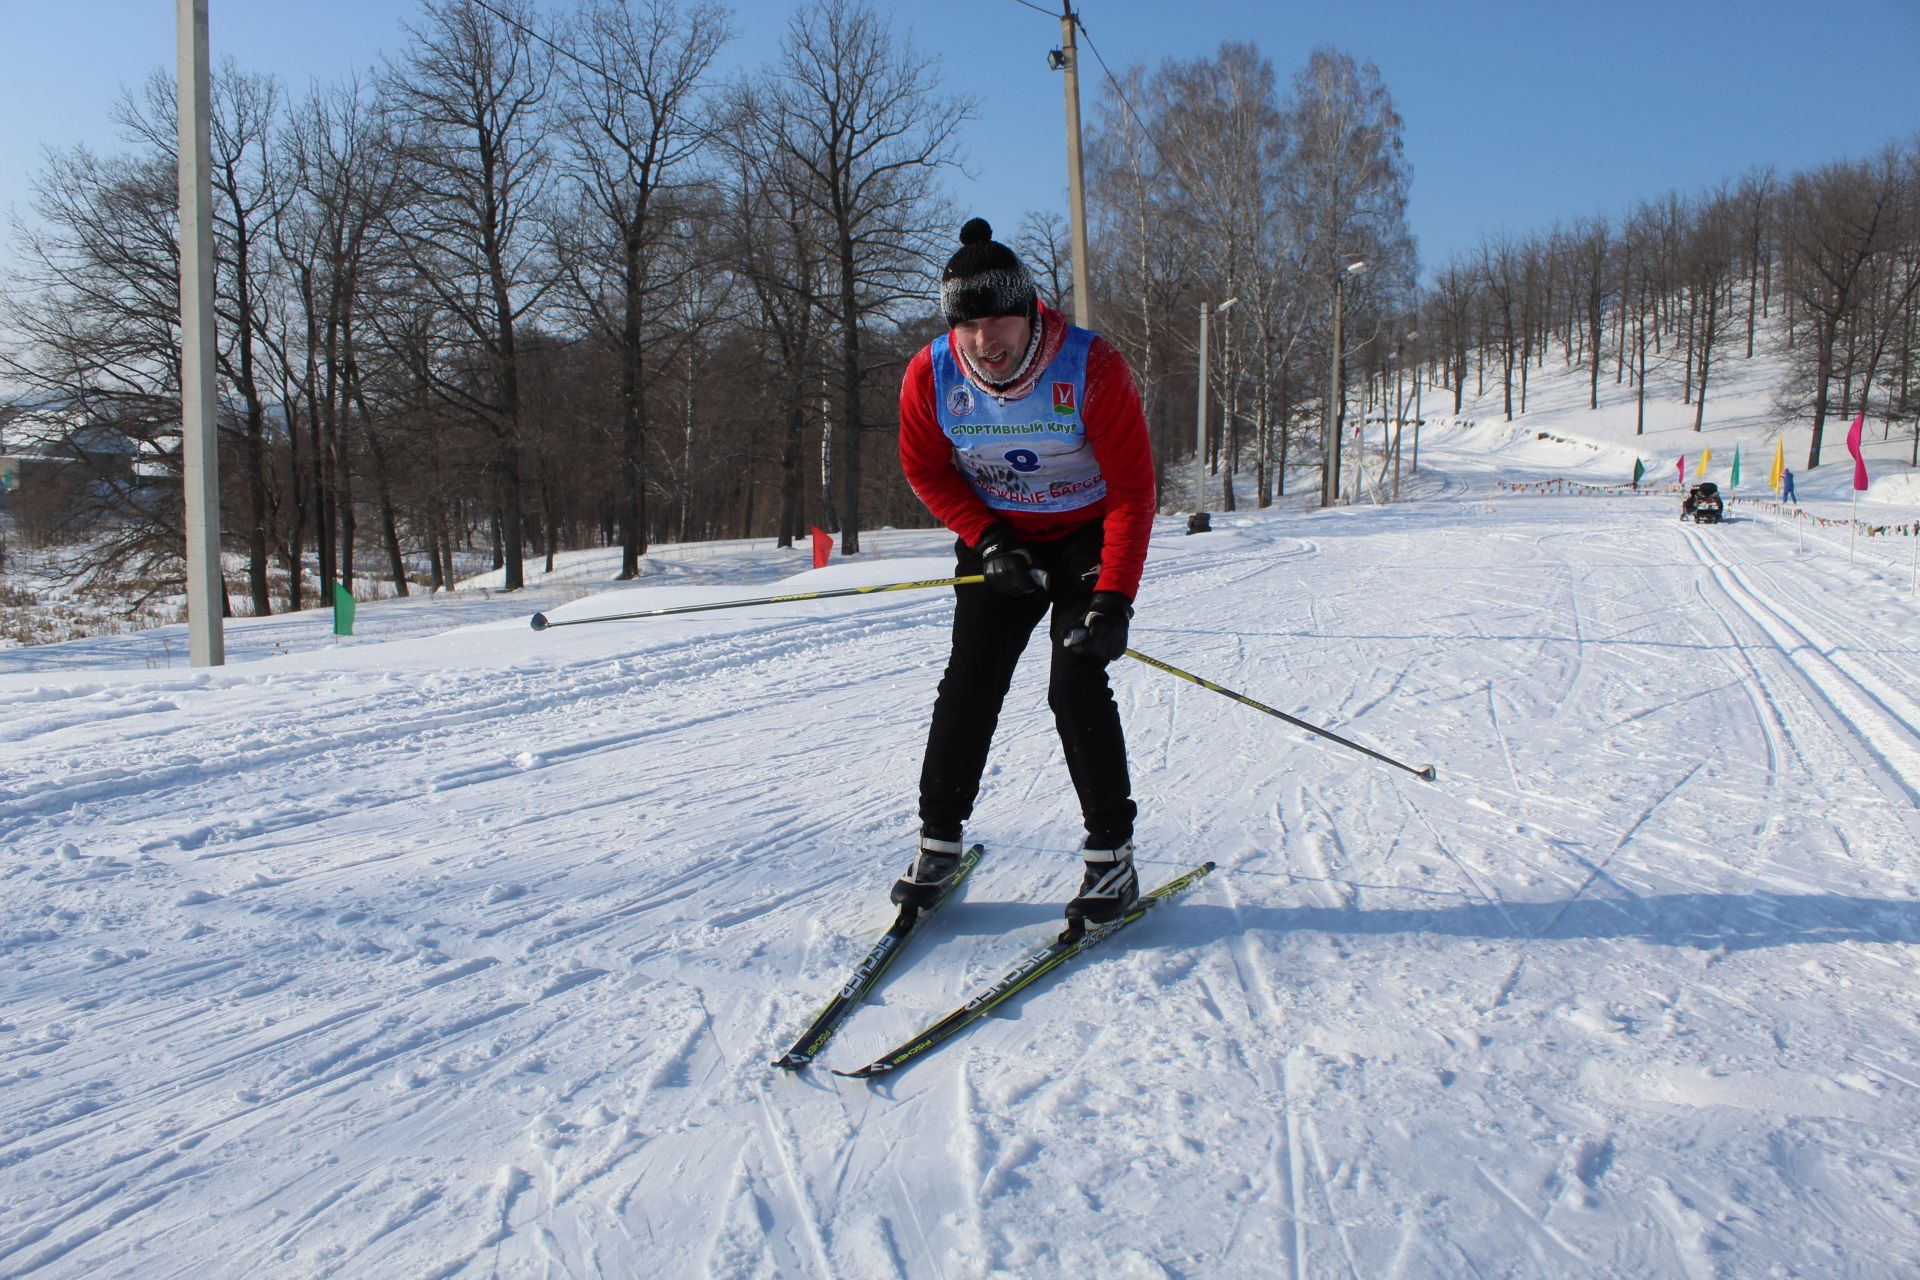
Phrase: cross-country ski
(867, 974)
(1073, 941)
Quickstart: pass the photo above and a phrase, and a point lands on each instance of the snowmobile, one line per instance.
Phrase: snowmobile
(1702, 504)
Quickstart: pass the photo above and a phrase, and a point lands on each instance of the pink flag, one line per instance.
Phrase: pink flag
(1683, 468)
(1853, 447)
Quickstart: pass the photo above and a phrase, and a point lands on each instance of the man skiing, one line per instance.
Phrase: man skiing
(1023, 435)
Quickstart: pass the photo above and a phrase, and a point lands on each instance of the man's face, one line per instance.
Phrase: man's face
(994, 345)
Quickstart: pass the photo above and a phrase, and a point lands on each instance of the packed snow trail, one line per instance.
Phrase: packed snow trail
(464, 954)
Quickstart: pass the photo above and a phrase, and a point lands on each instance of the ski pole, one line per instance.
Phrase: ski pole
(1426, 771)
(541, 622)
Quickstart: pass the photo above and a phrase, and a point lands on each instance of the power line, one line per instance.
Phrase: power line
(564, 52)
(1118, 91)
(606, 76)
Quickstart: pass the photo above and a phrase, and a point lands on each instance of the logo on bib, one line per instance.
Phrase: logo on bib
(1063, 399)
(960, 401)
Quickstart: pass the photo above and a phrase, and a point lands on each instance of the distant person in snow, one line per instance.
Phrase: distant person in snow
(1786, 488)
(1023, 434)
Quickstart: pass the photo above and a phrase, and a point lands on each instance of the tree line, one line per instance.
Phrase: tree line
(1212, 184)
(537, 282)
(544, 281)
(1824, 265)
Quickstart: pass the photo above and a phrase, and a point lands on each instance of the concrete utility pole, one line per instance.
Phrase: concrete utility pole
(1067, 58)
(199, 441)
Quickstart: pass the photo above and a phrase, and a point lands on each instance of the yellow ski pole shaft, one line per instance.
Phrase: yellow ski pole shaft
(540, 621)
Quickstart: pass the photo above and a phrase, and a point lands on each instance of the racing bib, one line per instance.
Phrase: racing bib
(1029, 454)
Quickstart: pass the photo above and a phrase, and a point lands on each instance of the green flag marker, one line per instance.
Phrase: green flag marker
(1639, 469)
(343, 607)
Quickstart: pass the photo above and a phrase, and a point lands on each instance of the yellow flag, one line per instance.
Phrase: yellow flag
(1706, 456)
(1779, 464)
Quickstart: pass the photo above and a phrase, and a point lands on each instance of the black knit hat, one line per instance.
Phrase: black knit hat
(985, 279)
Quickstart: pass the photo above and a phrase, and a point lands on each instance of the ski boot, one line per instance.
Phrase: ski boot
(930, 875)
(1108, 890)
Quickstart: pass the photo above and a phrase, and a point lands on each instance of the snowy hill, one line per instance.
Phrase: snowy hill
(461, 950)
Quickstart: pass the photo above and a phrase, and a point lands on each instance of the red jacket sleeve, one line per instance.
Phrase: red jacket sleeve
(1117, 430)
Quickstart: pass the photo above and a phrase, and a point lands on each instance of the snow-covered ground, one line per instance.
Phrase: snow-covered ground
(460, 950)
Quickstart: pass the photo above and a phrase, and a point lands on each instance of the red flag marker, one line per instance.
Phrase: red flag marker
(1853, 447)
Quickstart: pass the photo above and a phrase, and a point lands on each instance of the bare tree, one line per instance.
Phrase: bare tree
(1129, 209)
(779, 248)
(1710, 265)
(1834, 221)
(92, 304)
(852, 110)
(1220, 121)
(109, 364)
(470, 98)
(1593, 276)
(1636, 247)
(1452, 311)
(345, 175)
(632, 80)
(1345, 183)
(1503, 286)
(1755, 203)
(1043, 244)
(247, 201)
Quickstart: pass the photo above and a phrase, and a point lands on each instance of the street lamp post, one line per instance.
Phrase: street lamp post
(1419, 379)
(1400, 404)
(1330, 441)
(1199, 523)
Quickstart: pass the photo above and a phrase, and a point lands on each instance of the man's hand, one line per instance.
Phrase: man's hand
(1102, 633)
(1007, 565)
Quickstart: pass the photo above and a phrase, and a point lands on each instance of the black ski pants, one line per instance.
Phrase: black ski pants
(990, 631)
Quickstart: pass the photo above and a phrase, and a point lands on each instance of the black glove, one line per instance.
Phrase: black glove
(1007, 564)
(1103, 633)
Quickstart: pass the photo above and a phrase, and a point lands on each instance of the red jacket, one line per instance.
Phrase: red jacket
(1116, 430)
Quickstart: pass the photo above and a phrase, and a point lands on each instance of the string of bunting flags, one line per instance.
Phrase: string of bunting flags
(1779, 480)
(1796, 512)
(1772, 506)
(1673, 490)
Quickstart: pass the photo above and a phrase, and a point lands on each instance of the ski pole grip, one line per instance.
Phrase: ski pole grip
(539, 621)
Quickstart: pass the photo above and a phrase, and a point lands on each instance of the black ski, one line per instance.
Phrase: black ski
(867, 974)
(1071, 942)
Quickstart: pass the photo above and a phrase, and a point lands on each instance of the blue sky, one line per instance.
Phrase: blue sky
(1517, 114)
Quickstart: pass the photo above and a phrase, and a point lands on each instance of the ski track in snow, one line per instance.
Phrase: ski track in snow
(466, 956)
